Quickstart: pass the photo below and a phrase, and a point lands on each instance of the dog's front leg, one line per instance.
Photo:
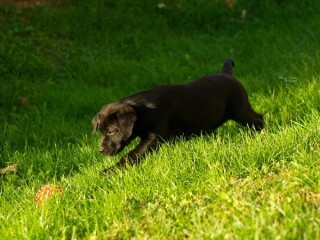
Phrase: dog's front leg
(146, 145)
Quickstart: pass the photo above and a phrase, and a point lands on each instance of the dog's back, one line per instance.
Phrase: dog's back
(199, 106)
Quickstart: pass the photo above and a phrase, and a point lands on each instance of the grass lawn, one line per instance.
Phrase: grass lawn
(60, 61)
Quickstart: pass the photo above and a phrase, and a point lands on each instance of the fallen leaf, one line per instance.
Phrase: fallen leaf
(9, 168)
(47, 192)
(229, 3)
(23, 101)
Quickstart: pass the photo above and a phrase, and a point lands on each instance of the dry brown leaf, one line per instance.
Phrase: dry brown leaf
(23, 101)
(9, 168)
(229, 3)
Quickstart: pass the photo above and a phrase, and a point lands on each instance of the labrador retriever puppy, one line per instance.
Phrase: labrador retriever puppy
(168, 111)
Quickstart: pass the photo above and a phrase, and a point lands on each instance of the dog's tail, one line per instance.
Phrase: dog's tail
(228, 67)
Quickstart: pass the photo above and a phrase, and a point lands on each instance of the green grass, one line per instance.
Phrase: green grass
(59, 63)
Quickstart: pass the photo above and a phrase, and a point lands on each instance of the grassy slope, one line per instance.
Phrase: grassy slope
(70, 59)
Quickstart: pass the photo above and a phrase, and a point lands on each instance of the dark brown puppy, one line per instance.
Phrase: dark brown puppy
(172, 110)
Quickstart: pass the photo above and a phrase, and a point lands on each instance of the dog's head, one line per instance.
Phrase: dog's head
(115, 121)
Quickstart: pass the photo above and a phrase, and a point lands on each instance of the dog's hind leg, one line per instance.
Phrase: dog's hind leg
(244, 114)
(253, 120)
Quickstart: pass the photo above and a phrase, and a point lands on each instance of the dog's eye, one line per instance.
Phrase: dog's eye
(110, 133)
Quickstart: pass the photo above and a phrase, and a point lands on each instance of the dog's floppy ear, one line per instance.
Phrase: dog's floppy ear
(96, 122)
(127, 116)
